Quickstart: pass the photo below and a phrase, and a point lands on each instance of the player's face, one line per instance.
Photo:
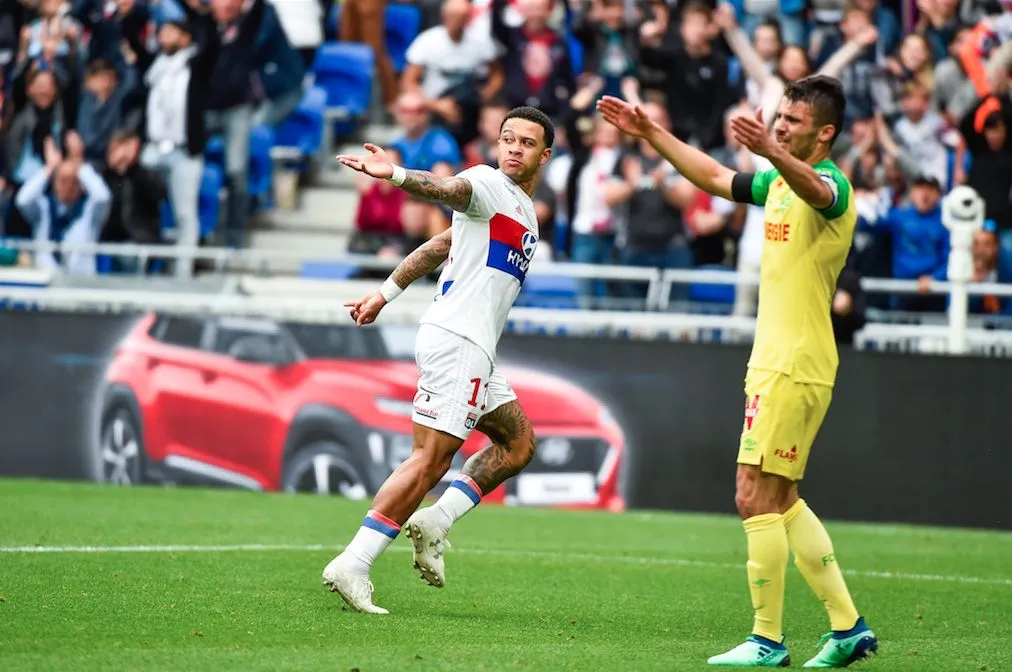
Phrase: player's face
(522, 149)
(795, 129)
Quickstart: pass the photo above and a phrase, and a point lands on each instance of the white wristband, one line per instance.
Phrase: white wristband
(390, 290)
(399, 175)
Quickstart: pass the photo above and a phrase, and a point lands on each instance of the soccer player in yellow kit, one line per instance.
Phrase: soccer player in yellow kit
(810, 220)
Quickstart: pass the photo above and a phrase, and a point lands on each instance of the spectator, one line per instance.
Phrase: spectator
(856, 77)
(230, 101)
(985, 269)
(50, 43)
(654, 196)
(66, 202)
(365, 21)
(938, 22)
(849, 307)
(378, 224)
(455, 70)
(769, 73)
(985, 131)
(610, 46)
(117, 30)
(136, 197)
(698, 86)
(912, 66)
(536, 61)
(179, 80)
(102, 106)
(920, 132)
(280, 68)
(886, 23)
(485, 148)
(594, 221)
(25, 142)
(785, 17)
(920, 243)
(302, 22)
(953, 92)
(422, 145)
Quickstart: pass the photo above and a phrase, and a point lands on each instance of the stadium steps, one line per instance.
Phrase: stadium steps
(324, 220)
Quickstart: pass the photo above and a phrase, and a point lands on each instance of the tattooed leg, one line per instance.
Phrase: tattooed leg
(513, 446)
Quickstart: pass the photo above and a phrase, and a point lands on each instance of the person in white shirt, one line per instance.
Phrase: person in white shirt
(456, 70)
(488, 249)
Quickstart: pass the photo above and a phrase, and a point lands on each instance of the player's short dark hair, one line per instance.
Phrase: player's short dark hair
(824, 96)
(532, 114)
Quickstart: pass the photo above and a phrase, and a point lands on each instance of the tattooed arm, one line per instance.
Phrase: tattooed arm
(454, 191)
(425, 259)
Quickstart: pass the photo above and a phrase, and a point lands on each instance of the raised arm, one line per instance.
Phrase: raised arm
(453, 191)
(740, 46)
(703, 171)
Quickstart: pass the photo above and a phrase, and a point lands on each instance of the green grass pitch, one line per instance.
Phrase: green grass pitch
(226, 580)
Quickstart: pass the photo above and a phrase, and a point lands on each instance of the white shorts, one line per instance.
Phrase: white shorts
(457, 384)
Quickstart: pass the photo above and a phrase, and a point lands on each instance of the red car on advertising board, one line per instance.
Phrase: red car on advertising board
(264, 405)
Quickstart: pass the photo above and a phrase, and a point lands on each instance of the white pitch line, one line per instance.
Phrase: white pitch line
(503, 553)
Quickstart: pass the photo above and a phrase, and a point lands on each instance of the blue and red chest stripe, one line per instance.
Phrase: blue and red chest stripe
(508, 239)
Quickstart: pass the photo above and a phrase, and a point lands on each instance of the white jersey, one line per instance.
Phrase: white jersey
(493, 244)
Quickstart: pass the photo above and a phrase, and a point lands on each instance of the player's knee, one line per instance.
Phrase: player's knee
(755, 495)
(434, 452)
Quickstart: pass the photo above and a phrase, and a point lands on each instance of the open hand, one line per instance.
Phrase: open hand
(366, 309)
(375, 164)
(751, 132)
(629, 119)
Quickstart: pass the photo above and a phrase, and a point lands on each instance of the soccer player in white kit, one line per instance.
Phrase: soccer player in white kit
(488, 249)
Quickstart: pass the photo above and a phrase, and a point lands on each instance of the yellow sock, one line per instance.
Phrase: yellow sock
(767, 565)
(813, 554)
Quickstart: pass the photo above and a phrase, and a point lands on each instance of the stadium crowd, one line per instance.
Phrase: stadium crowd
(927, 108)
(107, 108)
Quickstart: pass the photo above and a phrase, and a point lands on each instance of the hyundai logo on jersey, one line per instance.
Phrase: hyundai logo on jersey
(510, 246)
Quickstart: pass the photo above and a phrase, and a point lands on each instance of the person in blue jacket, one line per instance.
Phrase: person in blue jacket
(920, 244)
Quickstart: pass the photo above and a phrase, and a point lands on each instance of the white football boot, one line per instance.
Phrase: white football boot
(344, 575)
(429, 541)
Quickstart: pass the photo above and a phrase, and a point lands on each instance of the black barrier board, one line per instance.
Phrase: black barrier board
(255, 403)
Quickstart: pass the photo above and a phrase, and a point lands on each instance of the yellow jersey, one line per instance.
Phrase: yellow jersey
(803, 253)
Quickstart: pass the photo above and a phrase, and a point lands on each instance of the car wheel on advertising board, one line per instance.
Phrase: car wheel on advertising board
(121, 450)
(326, 468)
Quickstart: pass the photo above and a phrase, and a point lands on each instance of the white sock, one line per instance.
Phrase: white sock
(462, 496)
(372, 538)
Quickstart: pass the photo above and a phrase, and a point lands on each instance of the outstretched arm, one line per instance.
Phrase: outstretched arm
(453, 191)
(703, 171)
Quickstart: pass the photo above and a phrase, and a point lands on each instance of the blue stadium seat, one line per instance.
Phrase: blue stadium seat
(549, 291)
(302, 131)
(707, 293)
(402, 24)
(575, 53)
(214, 151)
(209, 204)
(345, 70)
(260, 167)
(328, 270)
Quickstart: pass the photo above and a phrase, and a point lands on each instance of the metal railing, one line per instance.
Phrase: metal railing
(266, 282)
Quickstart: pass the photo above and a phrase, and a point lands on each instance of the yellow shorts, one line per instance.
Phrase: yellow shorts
(782, 418)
